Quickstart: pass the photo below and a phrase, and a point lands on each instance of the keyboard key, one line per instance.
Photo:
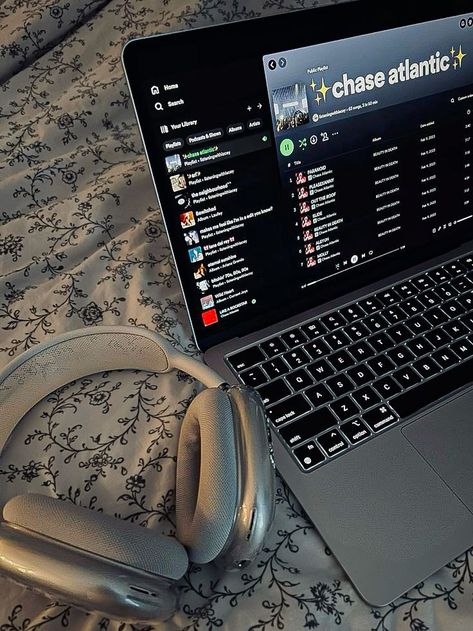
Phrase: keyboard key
(388, 297)
(344, 408)
(361, 351)
(341, 360)
(418, 325)
(273, 347)
(297, 358)
(293, 338)
(406, 290)
(246, 359)
(461, 284)
(406, 377)
(445, 358)
(333, 320)
(438, 337)
(336, 340)
(253, 377)
(423, 282)
(314, 329)
(380, 342)
(340, 385)
(447, 291)
(319, 395)
(361, 375)
(356, 331)
(307, 426)
(412, 307)
(370, 305)
(366, 398)
(431, 391)
(381, 365)
(355, 430)
(466, 301)
(464, 349)
(426, 367)
(439, 275)
(299, 380)
(420, 347)
(436, 316)
(455, 329)
(452, 308)
(467, 261)
(273, 392)
(332, 443)
(399, 333)
(376, 323)
(380, 418)
(455, 268)
(352, 313)
(309, 455)
(467, 320)
(394, 315)
(317, 348)
(401, 356)
(275, 367)
(386, 387)
(321, 370)
(429, 299)
(288, 410)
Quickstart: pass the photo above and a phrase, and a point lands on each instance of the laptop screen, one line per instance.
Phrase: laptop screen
(290, 175)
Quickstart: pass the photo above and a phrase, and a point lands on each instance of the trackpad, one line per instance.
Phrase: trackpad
(444, 437)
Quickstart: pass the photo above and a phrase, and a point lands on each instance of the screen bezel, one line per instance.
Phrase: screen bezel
(196, 48)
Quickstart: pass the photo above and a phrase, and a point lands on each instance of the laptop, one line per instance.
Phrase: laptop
(315, 173)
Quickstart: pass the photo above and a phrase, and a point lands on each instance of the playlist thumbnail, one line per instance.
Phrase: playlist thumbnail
(291, 108)
(191, 238)
(302, 193)
(203, 285)
(196, 255)
(306, 222)
(301, 178)
(183, 200)
(308, 235)
(187, 219)
(199, 271)
(173, 163)
(309, 249)
(304, 207)
(209, 317)
(207, 302)
(178, 182)
(311, 261)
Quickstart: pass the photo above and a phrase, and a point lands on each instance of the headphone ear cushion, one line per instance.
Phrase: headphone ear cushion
(98, 534)
(206, 489)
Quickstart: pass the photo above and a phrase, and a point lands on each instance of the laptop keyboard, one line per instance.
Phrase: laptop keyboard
(335, 381)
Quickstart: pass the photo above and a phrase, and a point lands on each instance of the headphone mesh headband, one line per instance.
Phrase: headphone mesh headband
(33, 377)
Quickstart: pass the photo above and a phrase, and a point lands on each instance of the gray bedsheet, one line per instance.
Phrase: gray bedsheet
(82, 244)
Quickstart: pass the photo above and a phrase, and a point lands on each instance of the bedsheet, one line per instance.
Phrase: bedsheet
(82, 244)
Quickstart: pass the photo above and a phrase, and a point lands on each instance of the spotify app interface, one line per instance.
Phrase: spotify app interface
(290, 178)
(374, 143)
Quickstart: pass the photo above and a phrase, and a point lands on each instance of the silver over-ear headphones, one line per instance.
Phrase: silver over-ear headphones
(224, 486)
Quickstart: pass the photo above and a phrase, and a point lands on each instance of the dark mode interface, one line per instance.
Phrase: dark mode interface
(336, 159)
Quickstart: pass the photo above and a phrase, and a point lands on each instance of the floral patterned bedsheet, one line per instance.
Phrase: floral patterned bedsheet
(82, 244)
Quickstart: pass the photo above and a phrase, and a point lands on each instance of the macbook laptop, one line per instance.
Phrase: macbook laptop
(315, 172)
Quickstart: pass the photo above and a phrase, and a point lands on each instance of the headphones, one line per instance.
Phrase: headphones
(224, 486)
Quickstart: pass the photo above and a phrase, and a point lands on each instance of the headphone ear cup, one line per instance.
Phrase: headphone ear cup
(98, 534)
(206, 489)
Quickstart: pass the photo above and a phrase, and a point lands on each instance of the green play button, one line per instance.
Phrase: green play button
(286, 147)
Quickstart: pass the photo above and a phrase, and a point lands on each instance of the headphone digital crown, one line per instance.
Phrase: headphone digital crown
(224, 484)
